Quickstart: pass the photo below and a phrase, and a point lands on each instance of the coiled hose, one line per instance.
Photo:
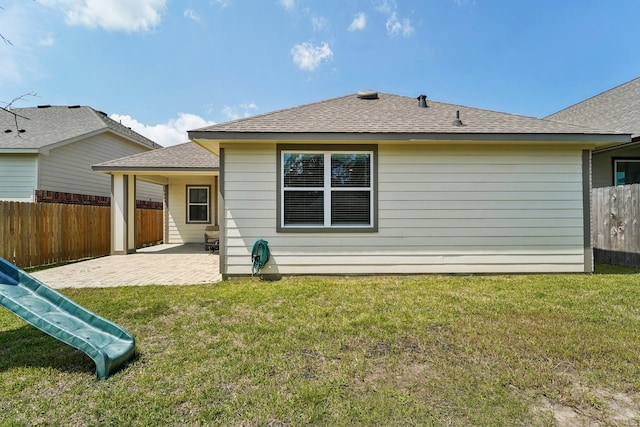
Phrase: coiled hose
(259, 256)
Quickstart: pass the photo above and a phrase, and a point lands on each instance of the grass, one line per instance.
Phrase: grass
(491, 350)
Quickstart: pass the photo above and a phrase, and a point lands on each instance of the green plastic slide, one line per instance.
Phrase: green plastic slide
(109, 345)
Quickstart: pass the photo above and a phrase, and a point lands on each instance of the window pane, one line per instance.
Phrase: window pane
(627, 172)
(350, 170)
(304, 207)
(350, 208)
(198, 195)
(198, 213)
(303, 170)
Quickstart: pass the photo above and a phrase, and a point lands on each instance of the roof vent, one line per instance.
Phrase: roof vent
(44, 106)
(457, 121)
(7, 131)
(422, 101)
(367, 94)
(73, 106)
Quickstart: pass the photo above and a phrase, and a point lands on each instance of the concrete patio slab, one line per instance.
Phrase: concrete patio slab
(167, 264)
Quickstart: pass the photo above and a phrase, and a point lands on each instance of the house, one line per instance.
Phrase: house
(46, 153)
(376, 183)
(616, 109)
(188, 175)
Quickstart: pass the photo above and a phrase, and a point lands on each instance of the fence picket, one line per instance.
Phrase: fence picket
(616, 233)
(34, 234)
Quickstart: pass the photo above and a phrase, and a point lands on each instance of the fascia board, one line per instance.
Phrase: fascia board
(597, 139)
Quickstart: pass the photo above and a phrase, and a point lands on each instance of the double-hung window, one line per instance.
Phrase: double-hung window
(198, 204)
(327, 189)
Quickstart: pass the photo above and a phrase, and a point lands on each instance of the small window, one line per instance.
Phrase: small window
(198, 204)
(327, 189)
(626, 171)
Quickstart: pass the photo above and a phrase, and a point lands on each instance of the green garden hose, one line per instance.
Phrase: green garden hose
(259, 256)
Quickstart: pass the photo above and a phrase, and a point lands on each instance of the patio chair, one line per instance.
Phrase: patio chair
(212, 238)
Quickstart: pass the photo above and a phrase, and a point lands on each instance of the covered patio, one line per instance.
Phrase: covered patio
(189, 175)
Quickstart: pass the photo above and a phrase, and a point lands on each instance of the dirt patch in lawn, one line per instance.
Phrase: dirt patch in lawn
(588, 406)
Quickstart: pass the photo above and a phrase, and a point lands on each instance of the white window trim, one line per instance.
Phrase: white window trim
(189, 204)
(327, 189)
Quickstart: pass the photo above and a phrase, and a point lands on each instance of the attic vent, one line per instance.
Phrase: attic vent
(367, 94)
(73, 106)
(44, 106)
(422, 101)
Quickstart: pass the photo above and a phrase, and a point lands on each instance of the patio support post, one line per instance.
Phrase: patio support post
(131, 214)
(122, 216)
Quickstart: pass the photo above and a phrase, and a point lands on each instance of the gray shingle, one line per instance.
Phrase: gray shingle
(55, 124)
(183, 156)
(616, 109)
(389, 114)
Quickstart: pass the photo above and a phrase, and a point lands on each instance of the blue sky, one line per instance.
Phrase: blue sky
(166, 66)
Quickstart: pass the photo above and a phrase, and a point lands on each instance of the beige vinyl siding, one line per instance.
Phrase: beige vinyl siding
(68, 168)
(441, 209)
(178, 231)
(18, 177)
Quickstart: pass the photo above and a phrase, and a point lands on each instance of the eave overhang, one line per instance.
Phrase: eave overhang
(212, 140)
(635, 142)
(155, 175)
(155, 170)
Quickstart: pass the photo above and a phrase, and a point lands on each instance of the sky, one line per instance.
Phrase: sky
(163, 67)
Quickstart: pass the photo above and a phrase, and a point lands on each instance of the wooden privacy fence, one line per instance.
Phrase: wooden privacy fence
(33, 234)
(149, 225)
(615, 225)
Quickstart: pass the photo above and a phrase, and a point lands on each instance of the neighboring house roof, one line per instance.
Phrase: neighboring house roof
(616, 109)
(390, 116)
(188, 156)
(38, 128)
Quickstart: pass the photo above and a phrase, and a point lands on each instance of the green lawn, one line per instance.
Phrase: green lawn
(460, 350)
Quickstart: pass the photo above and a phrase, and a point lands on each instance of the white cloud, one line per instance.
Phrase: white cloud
(111, 15)
(359, 22)
(191, 14)
(239, 111)
(395, 27)
(319, 23)
(171, 133)
(288, 4)
(387, 6)
(308, 57)
(221, 3)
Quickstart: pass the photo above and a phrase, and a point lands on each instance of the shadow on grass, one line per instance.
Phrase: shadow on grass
(614, 269)
(27, 347)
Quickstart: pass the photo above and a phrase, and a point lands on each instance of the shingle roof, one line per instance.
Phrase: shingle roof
(49, 125)
(182, 156)
(389, 114)
(616, 109)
